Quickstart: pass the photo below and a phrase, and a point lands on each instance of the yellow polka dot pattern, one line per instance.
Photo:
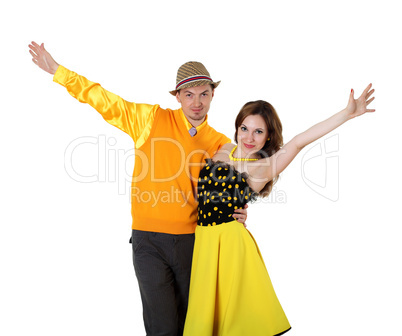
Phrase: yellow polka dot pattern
(221, 190)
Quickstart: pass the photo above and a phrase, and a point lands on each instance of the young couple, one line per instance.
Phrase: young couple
(178, 153)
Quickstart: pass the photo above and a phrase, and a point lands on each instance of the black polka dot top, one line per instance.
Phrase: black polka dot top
(221, 190)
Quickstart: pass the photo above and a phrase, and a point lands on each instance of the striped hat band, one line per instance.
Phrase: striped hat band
(192, 79)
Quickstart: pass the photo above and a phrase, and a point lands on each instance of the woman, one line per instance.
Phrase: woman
(230, 291)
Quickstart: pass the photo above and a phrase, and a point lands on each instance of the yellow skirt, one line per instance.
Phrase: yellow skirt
(230, 290)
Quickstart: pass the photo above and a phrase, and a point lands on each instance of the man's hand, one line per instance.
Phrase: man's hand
(241, 215)
(42, 58)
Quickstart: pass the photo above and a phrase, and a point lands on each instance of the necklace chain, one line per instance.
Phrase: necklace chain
(238, 159)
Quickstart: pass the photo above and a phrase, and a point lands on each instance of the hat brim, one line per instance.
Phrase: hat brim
(194, 84)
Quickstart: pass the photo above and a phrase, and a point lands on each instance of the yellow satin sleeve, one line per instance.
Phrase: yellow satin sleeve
(134, 119)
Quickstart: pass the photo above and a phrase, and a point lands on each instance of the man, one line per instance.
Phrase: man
(170, 149)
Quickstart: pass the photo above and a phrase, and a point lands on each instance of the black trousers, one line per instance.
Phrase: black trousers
(162, 264)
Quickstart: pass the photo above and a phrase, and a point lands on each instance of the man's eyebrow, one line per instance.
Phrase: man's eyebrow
(188, 91)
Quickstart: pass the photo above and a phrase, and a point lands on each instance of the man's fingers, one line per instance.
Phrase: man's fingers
(34, 46)
(33, 54)
(239, 217)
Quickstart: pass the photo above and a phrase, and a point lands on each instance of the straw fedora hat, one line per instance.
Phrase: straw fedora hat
(192, 74)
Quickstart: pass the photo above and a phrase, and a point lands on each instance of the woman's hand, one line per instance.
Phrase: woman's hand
(42, 58)
(357, 107)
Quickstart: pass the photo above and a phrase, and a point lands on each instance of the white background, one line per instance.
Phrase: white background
(64, 253)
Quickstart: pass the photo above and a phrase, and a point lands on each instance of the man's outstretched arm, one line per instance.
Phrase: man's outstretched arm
(127, 116)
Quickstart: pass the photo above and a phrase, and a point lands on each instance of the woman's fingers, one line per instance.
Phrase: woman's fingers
(369, 94)
(370, 100)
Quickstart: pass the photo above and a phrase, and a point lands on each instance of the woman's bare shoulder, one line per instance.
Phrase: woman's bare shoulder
(223, 153)
(227, 147)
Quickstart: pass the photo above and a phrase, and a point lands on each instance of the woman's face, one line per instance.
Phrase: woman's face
(252, 135)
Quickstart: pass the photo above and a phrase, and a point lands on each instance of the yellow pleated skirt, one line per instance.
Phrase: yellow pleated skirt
(231, 293)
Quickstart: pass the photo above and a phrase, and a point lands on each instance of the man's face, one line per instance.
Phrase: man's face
(195, 102)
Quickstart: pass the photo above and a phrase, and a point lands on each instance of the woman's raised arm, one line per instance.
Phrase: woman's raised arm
(271, 167)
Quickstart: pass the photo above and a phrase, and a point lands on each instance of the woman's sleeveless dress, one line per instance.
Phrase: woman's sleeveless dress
(231, 293)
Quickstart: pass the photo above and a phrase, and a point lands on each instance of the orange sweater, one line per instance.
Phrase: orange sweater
(167, 159)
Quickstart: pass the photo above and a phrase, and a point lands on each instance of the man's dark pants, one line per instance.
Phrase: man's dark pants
(162, 264)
